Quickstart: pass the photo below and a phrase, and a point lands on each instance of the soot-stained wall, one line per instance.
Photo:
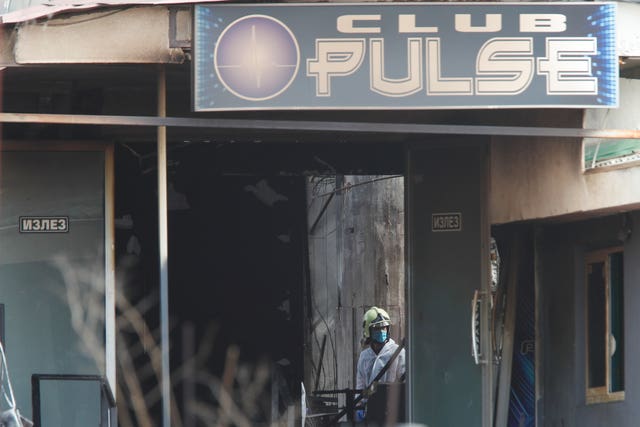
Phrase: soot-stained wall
(560, 274)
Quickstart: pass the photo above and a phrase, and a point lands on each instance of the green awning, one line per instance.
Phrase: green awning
(610, 149)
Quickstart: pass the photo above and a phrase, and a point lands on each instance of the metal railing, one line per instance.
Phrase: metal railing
(108, 411)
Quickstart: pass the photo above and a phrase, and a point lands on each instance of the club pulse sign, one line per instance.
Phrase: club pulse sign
(405, 55)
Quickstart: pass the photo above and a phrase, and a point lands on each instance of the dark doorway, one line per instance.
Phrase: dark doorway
(238, 264)
(236, 271)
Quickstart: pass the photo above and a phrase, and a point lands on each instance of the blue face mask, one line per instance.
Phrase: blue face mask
(379, 335)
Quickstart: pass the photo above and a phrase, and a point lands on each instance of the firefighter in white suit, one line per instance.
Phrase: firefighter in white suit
(380, 348)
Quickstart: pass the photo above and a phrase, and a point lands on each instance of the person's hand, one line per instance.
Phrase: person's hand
(371, 389)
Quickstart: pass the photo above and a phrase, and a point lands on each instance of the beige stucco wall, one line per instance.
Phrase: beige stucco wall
(534, 178)
(628, 30)
(113, 36)
(540, 178)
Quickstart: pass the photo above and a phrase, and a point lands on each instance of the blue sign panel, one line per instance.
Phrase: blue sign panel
(405, 56)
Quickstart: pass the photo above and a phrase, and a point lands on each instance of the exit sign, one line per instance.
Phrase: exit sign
(44, 224)
(451, 221)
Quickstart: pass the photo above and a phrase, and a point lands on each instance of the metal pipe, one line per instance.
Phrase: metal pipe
(318, 126)
(163, 249)
(595, 155)
(110, 266)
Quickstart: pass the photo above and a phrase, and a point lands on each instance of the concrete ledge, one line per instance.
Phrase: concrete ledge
(135, 35)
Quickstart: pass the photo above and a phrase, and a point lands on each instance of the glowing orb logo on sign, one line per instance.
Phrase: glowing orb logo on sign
(256, 57)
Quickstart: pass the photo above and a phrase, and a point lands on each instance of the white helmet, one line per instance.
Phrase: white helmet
(375, 317)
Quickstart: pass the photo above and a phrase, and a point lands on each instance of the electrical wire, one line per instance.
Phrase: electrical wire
(89, 19)
(11, 401)
(350, 186)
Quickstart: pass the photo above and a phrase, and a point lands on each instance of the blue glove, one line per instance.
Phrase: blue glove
(360, 415)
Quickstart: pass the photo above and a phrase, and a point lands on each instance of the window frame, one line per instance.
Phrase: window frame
(602, 394)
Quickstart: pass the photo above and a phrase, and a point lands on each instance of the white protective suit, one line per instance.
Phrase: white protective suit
(370, 364)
